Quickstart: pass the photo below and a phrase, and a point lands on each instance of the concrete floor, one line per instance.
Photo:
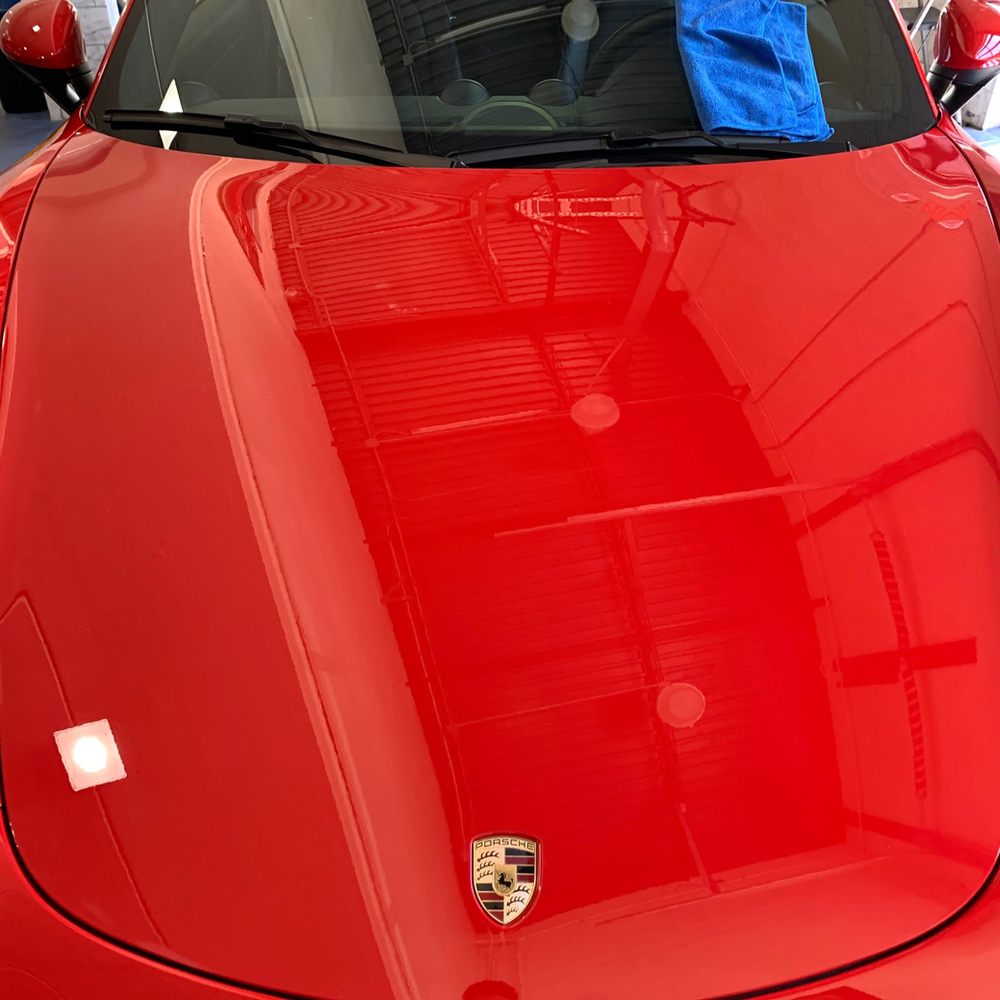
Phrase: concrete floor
(20, 134)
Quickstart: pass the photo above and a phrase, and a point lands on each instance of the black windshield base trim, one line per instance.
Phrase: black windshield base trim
(684, 142)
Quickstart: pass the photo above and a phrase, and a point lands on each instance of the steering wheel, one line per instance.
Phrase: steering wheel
(836, 96)
(508, 111)
(622, 43)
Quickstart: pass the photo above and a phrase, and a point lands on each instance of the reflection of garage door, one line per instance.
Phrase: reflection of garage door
(546, 649)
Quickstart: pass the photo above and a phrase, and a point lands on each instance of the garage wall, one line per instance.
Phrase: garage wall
(96, 27)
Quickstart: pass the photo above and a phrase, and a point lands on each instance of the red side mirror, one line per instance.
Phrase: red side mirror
(969, 35)
(967, 51)
(43, 38)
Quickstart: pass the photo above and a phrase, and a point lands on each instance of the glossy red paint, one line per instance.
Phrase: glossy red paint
(17, 189)
(45, 34)
(46, 956)
(982, 162)
(968, 35)
(302, 507)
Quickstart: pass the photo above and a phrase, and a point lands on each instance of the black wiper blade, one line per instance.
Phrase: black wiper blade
(265, 134)
(764, 144)
(685, 142)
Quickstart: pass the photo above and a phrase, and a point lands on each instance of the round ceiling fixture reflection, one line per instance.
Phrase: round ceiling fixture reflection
(490, 989)
(595, 412)
(580, 20)
(90, 754)
(680, 705)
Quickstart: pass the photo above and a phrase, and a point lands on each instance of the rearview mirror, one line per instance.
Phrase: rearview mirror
(43, 38)
(966, 53)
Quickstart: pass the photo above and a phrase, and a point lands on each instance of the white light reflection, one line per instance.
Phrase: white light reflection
(172, 105)
(90, 755)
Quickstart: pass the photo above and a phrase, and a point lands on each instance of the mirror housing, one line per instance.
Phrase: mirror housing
(43, 38)
(966, 52)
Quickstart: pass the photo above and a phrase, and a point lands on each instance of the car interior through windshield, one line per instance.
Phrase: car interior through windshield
(444, 76)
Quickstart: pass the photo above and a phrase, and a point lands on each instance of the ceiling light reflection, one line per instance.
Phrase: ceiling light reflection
(90, 755)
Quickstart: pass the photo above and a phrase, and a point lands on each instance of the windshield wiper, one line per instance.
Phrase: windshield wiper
(777, 145)
(685, 142)
(261, 133)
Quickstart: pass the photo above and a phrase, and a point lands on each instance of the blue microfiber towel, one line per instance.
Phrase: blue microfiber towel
(750, 68)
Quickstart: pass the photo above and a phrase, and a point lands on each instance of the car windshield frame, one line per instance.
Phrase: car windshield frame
(169, 55)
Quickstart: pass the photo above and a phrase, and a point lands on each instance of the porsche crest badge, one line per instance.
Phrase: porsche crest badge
(505, 875)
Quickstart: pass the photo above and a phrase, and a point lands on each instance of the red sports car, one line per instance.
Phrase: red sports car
(474, 527)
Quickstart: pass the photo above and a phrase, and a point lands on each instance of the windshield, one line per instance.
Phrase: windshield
(450, 76)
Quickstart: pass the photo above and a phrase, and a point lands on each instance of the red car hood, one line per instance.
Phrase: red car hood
(649, 513)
